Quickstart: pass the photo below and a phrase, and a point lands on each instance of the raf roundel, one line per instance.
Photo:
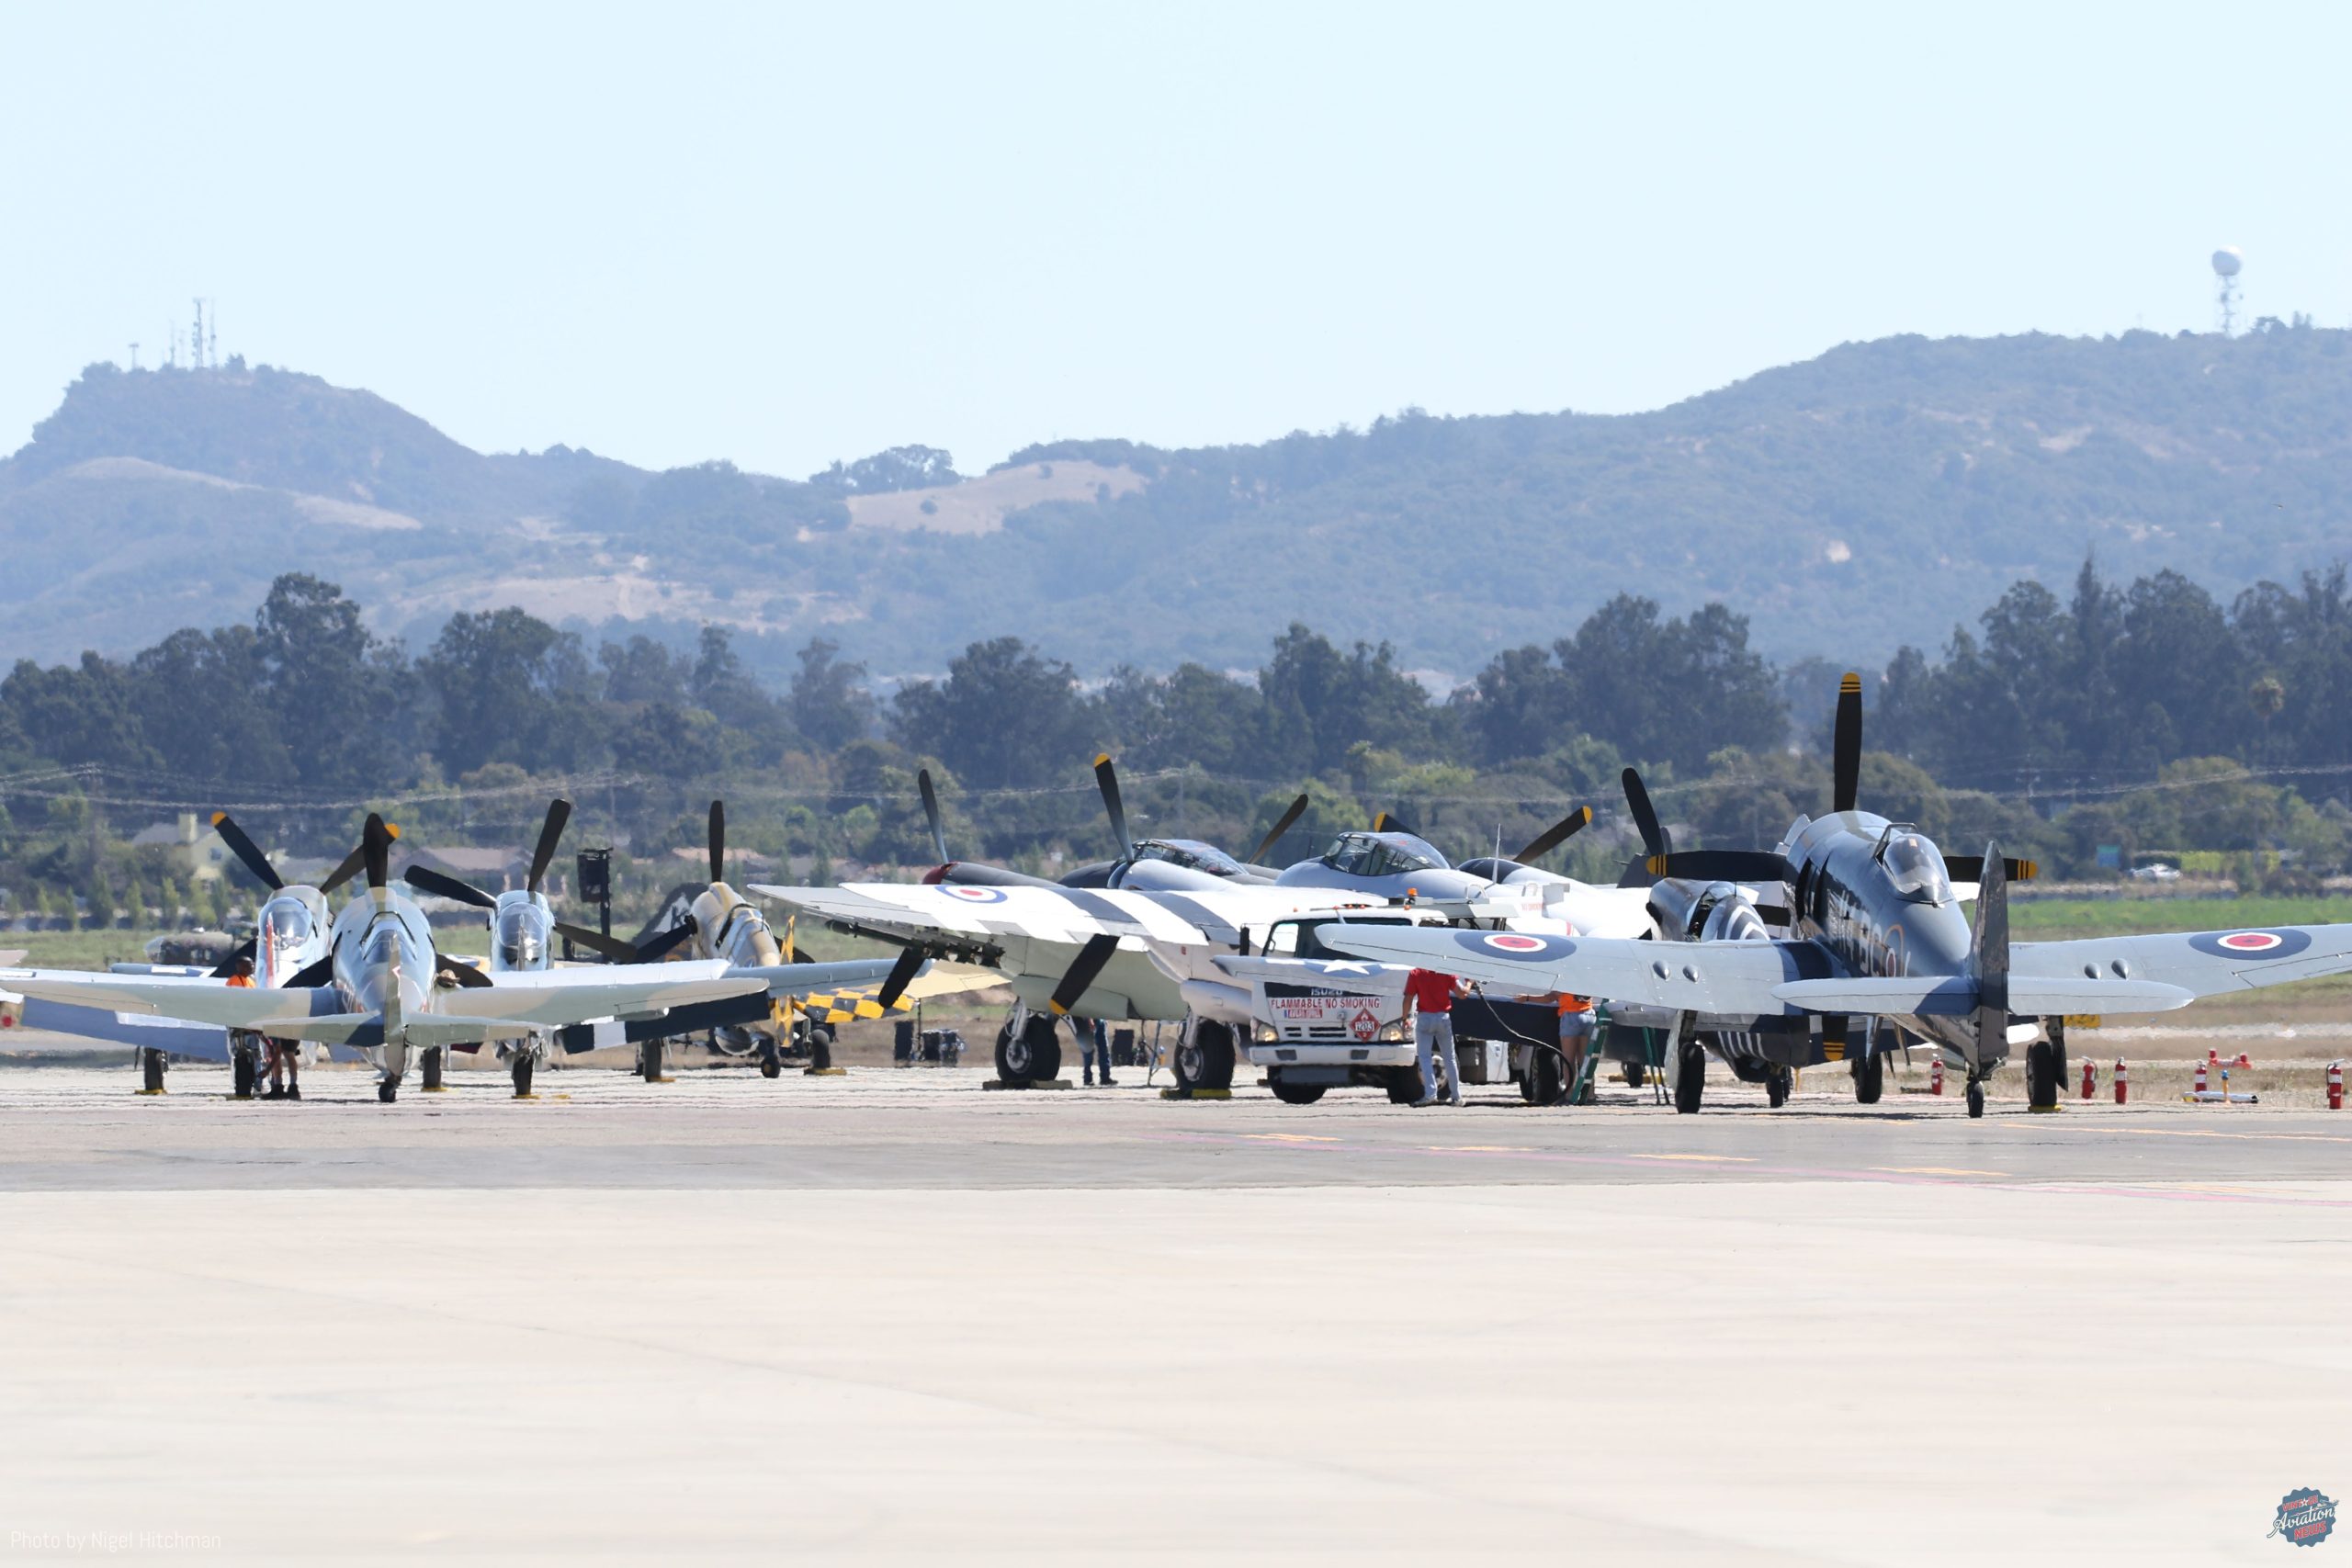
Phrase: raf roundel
(971, 895)
(2252, 944)
(1518, 945)
(2252, 941)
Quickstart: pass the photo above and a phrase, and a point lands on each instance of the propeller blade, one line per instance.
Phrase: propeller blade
(1081, 972)
(1845, 744)
(315, 976)
(346, 872)
(1720, 866)
(718, 840)
(1282, 825)
(246, 850)
(903, 975)
(245, 949)
(425, 879)
(1389, 822)
(612, 947)
(655, 947)
(1637, 801)
(1552, 838)
(931, 814)
(558, 813)
(376, 837)
(1106, 779)
(460, 973)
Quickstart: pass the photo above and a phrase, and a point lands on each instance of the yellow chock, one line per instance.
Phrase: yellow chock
(1197, 1094)
(2051, 1109)
(434, 1089)
(148, 1092)
(824, 1072)
(661, 1080)
(527, 1097)
(1033, 1083)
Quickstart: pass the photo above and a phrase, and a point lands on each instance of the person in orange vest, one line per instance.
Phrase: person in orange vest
(279, 1053)
(1576, 1036)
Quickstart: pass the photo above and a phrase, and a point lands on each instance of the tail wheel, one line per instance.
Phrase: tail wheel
(1870, 1076)
(1690, 1082)
(1205, 1059)
(389, 1090)
(1975, 1099)
(771, 1061)
(1547, 1077)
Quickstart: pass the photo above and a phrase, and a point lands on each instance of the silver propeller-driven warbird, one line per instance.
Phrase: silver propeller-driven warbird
(1876, 930)
(390, 994)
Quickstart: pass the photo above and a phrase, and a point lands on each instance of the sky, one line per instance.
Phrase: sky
(784, 235)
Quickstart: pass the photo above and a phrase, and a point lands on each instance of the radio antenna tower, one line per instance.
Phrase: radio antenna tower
(134, 356)
(2227, 261)
(195, 340)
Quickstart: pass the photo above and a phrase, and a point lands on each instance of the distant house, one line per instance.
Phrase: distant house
(197, 852)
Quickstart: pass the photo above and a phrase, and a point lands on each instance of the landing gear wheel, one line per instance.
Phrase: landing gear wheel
(1546, 1082)
(1204, 1058)
(1975, 1098)
(1031, 1055)
(523, 1065)
(242, 1074)
(649, 1060)
(433, 1069)
(1690, 1082)
(771, 1061)
(1296, 1093)
(1636, 1073)
(1404, 1084)
(2041, 1077)
(1776, 1087)
(389, 1090)
(1870, 1076)
(150, 1070)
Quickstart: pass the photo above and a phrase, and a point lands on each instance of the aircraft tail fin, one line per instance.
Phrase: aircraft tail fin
(1988, 959)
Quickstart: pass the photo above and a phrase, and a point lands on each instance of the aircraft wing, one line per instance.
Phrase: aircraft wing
(961, 914)
(2199, 963)
(558, 997)
(807, 979)
(1739, 978)
(195, 1000)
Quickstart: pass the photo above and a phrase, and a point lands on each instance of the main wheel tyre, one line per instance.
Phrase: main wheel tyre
(1776, 1087)
(1975, 1099)
(1870, 1076)
(1547, 1077)
(433, 1068)
(1636, 1073)
(1404, 1084)
(1296, 1093)
(1032, 1056)
(649, 1060)
(242, 1075)
(1691, 1083)
(389, 1090)
(1204, 1060)
(2042, 1076)
(523, 1065)
(151, 1069)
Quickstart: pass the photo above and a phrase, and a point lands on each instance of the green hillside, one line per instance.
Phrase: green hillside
(1869, 497)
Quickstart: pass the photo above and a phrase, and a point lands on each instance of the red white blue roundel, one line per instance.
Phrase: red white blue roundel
(2252, 944)
(966, 891)
(1522, 946)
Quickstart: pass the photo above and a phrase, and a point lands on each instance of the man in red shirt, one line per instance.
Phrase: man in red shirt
(1429, 996)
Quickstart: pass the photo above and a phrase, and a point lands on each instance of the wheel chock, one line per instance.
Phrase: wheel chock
(527, 1097)
(824, 1072)
(1197, 1094)
(149, 1092)
(1032, 1083)
(2045, 1110)
(434, 1089)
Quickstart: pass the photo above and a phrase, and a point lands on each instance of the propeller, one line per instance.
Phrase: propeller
(931, 814)
(425, 879)
(1296, 809)
(1845, 743)
(662, 944)
(1720, 866)
(718, 840)
(358, 859)
(1106, 778)
(249, 948)
(550, 832)
(1552, 838)
(246, 850)
(1655, 840)
(1081, 972)
(376, 837)
(620, 951)
(902, 976)
(1389, 822)
(1971, 868)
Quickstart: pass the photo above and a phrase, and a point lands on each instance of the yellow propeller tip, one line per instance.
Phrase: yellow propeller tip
(1101, 758)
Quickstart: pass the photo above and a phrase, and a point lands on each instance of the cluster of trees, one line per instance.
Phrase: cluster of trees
(2135, 719)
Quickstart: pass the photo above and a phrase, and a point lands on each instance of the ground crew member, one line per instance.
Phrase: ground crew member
(1093, 1046)
(279, 1051)
(1575, 1038)
(1429, 996)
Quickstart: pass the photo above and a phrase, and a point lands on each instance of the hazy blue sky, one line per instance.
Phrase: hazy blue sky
(784, 235)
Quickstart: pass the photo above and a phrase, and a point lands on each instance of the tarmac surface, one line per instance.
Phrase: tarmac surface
(890, 1316)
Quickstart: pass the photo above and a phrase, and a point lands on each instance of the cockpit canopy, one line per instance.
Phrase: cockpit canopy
(1190, 854)
(286, 925)
(1381, 854)
(1916, 868)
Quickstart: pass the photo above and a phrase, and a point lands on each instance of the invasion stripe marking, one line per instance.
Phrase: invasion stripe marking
(1213, 926)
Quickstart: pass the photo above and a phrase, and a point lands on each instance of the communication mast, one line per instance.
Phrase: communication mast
(195, 340)
(134, 356)
(2227, 261)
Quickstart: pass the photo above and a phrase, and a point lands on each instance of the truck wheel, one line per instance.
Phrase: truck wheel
(1547, 1077)
(1204, 1060)
(1404, 1084)
(1295, 1093)
(1691, 1083)
(1870, 1076)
